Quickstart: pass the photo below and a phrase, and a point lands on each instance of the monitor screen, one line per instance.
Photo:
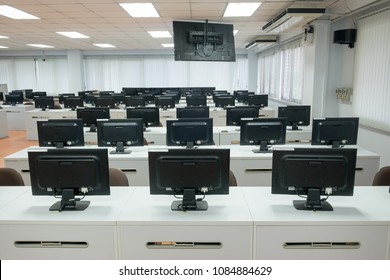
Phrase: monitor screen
(263, 132)
(17, 92)
(189, 172)
(190, 132)
(298, 115)
(62, 96)
(149, 115)
(120, 133)
(91, 115)
(13, 99)
(235, 114)
(60, 133)
(118, 98)
(73, 102)
(105, 101)
(258, 99)
(335, 131)
(312, 173)
(164, 102)
(28, 93)
(135, 101)
(149, 97)
(196, 100)
(69, 173)
(39, 93)
(203, 41)
(175, 94)
(193, 112)
(43, 102)
(224, 100)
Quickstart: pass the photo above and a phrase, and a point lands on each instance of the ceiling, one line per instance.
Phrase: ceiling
(104, 21)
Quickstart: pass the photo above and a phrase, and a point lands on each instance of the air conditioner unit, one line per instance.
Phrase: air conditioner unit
(263, 40)
(298, 13)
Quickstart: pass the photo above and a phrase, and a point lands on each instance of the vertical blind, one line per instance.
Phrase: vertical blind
(372, 68)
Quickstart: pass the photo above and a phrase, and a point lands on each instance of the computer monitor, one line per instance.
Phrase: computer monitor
(175, 94)
(91, 115)
(165, 102)
(149, 98)
(335, 131)
(135, 101)
(190, 132)
(189, 172)
(296, 115)
(149, 115)
(39, 93)
(43, 102)
(258, 100)
(62, 96)
(224, 100)
(60, 133)
(119, 98)
(235, 114)
(193, 112)
(263, 132)
(90, 99)
(68, 173)
(17, 92)
(196, 100)
(312, 173)
(105, 101)
(28, 94)
(120, 133)
(73, 102)
(13, 99)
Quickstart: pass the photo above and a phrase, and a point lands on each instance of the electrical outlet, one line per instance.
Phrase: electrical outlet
(344, 94)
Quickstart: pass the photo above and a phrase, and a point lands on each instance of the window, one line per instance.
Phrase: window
(372, 67)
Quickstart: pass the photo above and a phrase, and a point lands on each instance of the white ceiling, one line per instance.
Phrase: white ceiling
(104, 21)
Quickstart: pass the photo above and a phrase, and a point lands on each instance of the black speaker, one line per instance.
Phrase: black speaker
(345, 36)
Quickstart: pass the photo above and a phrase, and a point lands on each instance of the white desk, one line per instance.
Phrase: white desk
(250, 169)
(363, 218)
(16, 116)
(3, 124)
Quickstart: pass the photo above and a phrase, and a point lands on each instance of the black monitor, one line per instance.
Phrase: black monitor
(120, 133)
(17, 92)
(39, 93)
(263, 132)
(73, 102)
(296, 115)
(149, 97)
(68, 173)
(203, 41)
(258, 100)
(193, 112)
(175, 94)
(28, 94)
(13, 99)
(190, 132)
(119, 98)
(135, 101)
(235, 114)
(312, 173)
(189, 172)
(129, 91)
(224, 100)
(60, 133)
(149, 115)
(196, 100)
(335, 131)
(105, 101)
(91, 115)
(90, 99)
(165, 102)
(62, 96)
(43, 102)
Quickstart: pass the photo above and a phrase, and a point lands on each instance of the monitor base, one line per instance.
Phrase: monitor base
(177, 205)
(302, 205)
(75, 206)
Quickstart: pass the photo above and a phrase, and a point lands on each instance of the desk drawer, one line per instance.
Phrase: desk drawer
(320, 242)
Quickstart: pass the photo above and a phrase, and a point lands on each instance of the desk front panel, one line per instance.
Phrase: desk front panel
(3, 124)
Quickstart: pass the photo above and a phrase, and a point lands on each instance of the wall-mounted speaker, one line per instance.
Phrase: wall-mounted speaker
(345, 36)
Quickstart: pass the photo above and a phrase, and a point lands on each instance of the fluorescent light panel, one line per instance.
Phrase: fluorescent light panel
(241, 9)
(3, 47)
(4, 37)
(140, 9)
(104, 45)
(13, 13)
(160, 34)
(168, 45)
(73, 35)
(42, 46)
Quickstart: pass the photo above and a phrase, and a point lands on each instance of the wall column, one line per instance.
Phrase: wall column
(75, 71)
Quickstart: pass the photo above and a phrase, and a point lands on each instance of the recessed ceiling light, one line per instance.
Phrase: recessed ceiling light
(241, 9)
(73, 35)
(11, 12)
(168, 45)
(3, 47)
(104, 45)
(140, 9)
(160, 34)
(42, 46)
(4, 37)
(235, 32)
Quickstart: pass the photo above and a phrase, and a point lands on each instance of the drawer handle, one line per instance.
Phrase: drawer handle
(183, 245)
(359, 168)
(51, 244)
(25, 171)
(258, 170)
(321, 245)
(235, 142)
(129, 170)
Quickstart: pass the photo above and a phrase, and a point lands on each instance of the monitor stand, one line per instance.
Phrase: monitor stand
(263, 148)
(313, 202)
(120, 149)
(69, 202)
(189, 202)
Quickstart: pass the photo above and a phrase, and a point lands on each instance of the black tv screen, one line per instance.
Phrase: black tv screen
(203, 41)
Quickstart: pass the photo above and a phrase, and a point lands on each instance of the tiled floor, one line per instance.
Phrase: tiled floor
(15, 141)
